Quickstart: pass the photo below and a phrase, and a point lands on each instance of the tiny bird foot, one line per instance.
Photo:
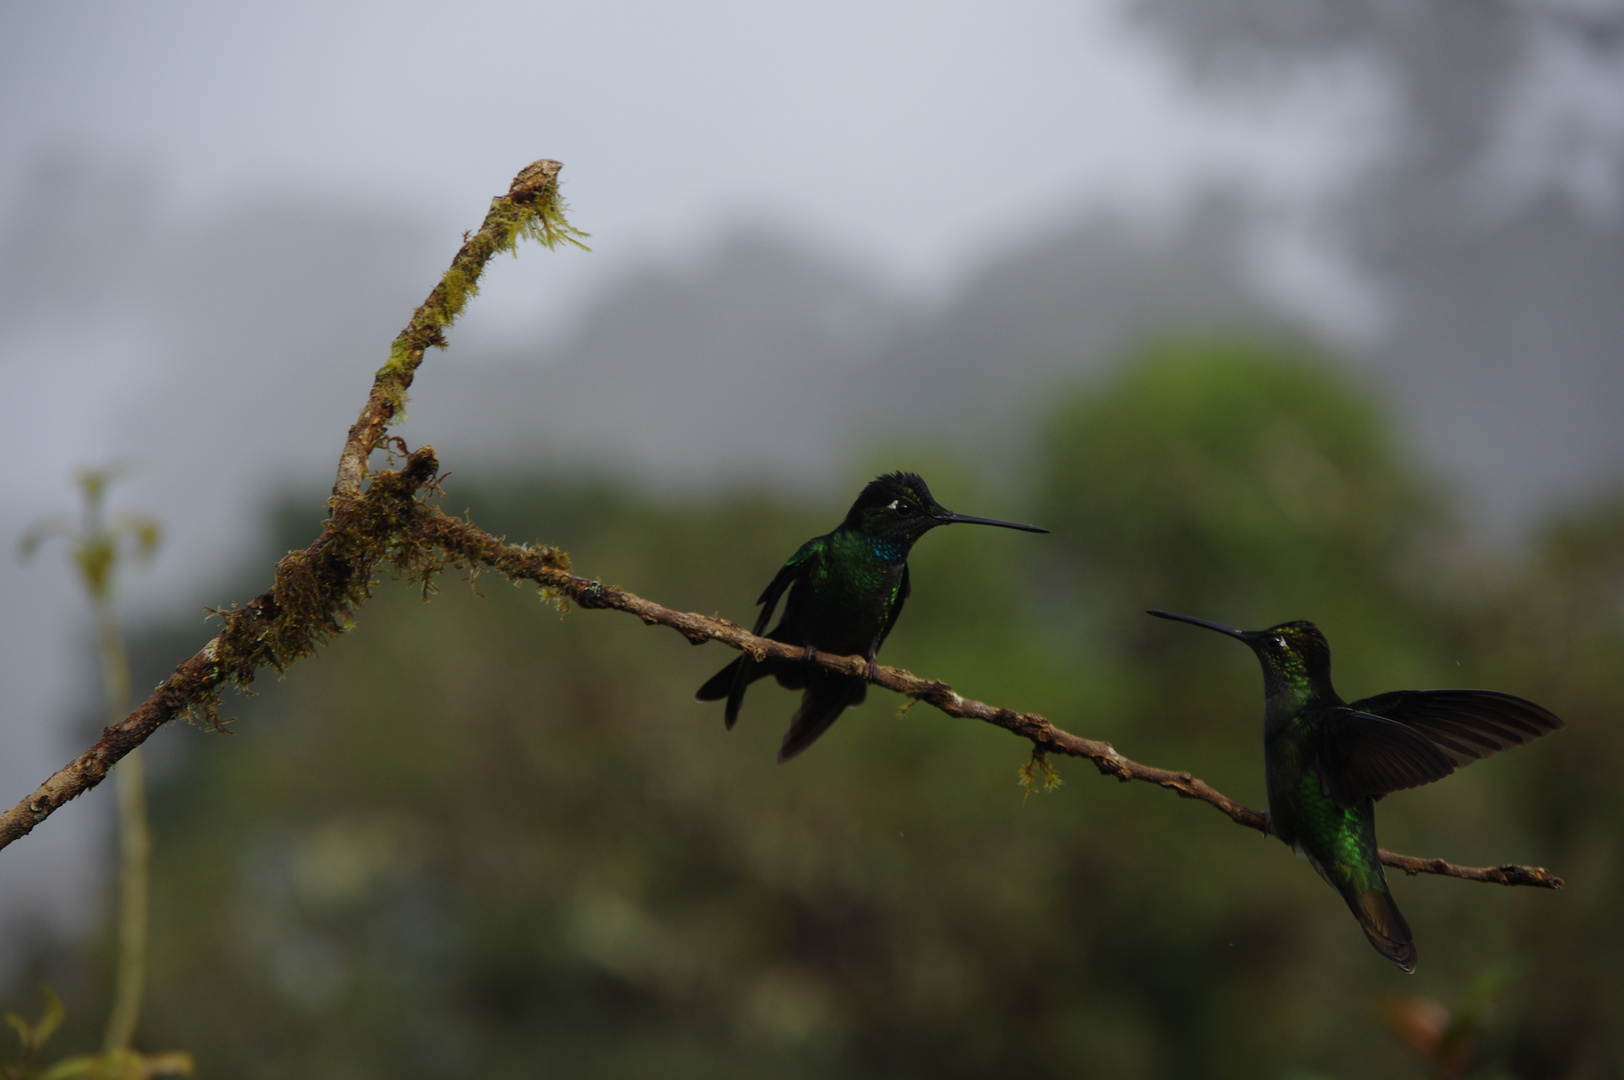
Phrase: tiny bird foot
(873, 669)
(811, 653)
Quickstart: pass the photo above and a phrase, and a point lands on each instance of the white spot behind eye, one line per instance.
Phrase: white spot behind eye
(893, 505)
(1279, 642)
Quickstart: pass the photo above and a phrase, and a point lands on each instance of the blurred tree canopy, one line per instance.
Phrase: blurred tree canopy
(1479, 213)
(477, 839)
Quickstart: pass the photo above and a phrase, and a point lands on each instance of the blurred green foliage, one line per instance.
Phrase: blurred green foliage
(475, 839)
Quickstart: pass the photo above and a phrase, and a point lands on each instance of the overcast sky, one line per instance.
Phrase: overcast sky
(912, 136)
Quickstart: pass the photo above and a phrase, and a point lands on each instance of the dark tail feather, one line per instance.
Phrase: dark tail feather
(731, 683)
(827, 696)
(718, 686)
(1384, 925)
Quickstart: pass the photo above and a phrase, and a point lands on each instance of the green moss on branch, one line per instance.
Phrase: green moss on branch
(531, 210)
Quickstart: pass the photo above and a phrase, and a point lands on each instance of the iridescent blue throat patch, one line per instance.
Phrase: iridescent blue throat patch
(889, 550)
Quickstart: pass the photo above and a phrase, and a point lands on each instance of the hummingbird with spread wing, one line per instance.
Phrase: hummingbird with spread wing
(842, 593)
(1327, 761)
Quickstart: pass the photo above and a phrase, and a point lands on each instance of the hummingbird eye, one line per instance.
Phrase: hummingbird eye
(902, 508)
(1279, 642)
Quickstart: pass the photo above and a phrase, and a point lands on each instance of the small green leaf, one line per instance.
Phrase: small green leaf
(48, 1023)
(24, 1032)
(83, 1065)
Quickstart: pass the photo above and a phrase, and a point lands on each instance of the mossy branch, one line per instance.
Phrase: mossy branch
(312, 598)
(531, 210)
(389, 526)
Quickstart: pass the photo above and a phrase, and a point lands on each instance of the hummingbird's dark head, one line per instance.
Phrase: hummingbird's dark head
(896, 509)
(1296, 659)
(1294, 655)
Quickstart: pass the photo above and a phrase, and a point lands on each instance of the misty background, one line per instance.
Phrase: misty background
(815, 234)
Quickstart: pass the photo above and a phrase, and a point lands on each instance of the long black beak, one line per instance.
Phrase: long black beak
(1220, 627)
(948, 517)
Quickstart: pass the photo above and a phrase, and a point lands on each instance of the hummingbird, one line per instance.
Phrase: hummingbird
(846, 589)
(1327, 761)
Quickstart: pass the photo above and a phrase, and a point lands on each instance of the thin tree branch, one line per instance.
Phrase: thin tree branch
(317, 590)
(461, 540)
(314, 595)
(531, 209)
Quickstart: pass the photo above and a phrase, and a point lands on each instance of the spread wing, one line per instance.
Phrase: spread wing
(1364, 754)
(1465, 724)
(803, 562)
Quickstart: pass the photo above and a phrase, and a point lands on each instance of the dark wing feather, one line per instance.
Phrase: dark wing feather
(732, 681)
(1363, 754)
(1466, 724)
(804, 561)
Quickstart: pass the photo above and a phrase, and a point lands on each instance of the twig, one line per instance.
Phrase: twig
(312, 598)
(98, 545)
(134, 842)
(317, 589)
(532, 210)
(462, 540)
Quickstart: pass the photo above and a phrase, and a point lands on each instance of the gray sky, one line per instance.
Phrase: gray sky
(910, 135)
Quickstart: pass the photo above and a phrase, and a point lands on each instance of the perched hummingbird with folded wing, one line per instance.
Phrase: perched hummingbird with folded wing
(846, 589)
(1327, 761)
